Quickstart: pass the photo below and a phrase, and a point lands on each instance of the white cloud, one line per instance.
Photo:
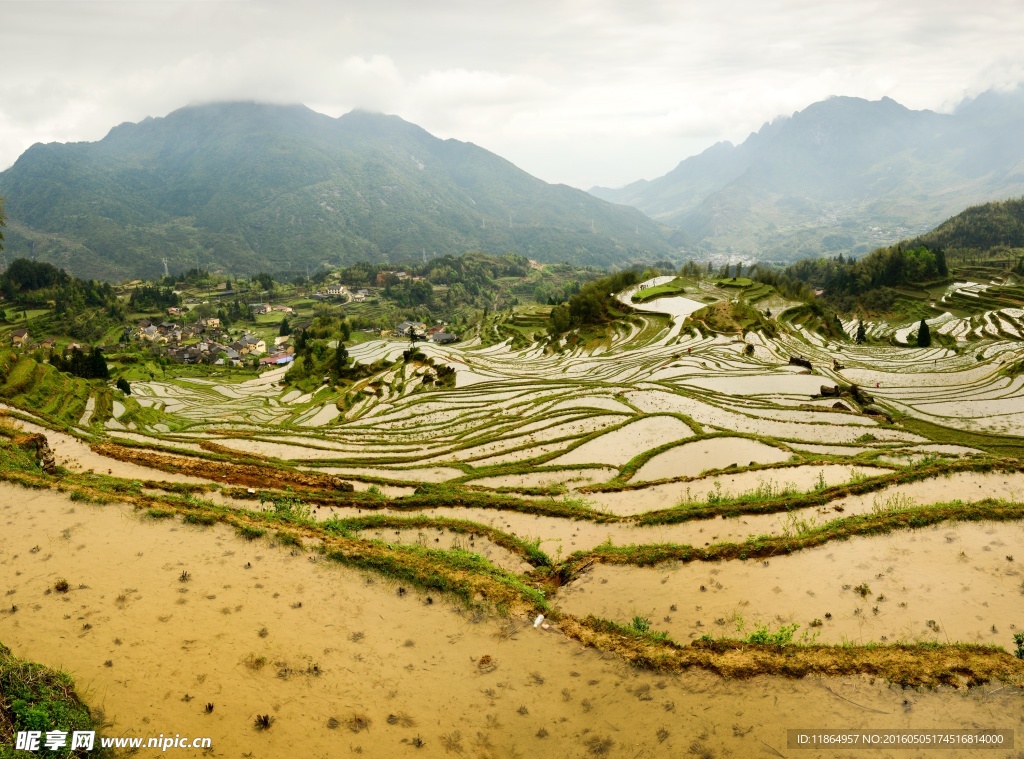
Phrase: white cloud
(582, 91)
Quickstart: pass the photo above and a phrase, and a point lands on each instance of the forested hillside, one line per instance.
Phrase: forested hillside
(242, 187)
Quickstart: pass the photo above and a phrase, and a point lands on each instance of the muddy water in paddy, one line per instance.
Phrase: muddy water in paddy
(800, 478)
(440, 538)
(375, 654)
(691, 459)
(437, 474)
(947, 583)
(568, 477)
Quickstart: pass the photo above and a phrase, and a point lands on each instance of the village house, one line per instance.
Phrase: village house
(19, 338)
(249, 344)
(336, 289)
(256, 344)
(442, 338)
(276, 359)
(258, 309)
(212, 321)
(411, 329)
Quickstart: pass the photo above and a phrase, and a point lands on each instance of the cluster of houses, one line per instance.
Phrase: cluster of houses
(213, 345)
(420, 331)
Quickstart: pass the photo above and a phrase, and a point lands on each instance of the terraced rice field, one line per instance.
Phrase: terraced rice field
(665, 481)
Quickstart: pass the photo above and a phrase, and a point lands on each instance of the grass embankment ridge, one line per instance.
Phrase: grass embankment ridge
(765, 546)
(527, 550)
(676, 286)
(909, 665)
(752, 503)
(245, 475)
(1000, 445)
(34, 697)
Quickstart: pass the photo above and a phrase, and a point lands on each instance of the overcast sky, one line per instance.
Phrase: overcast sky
(577, 91)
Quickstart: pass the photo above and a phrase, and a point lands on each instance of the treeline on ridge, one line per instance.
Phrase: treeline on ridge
(83, 309)
(867, 283)
(593, 304)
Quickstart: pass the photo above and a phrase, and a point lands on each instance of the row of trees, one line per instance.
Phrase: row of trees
(150, 297)
(90, 365)
(886, 267)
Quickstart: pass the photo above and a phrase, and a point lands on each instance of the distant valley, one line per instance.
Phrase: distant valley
(842, 176)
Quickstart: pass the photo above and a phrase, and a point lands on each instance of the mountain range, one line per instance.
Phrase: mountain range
(247, 187)
(843, 175)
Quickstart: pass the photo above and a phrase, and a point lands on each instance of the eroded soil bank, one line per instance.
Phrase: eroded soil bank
(347, 663)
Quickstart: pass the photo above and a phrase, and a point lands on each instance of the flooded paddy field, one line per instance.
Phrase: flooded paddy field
(345, 662)
(947, 582)
(337, 558)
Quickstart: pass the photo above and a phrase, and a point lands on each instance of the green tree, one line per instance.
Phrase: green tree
(265, 280)
(285, 328)
(3, 223)
(924, 336)
(340, 360)
(123, 386)
(861, 332)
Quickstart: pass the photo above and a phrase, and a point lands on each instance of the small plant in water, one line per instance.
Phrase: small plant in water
(61, 586)
(783, 637)
(820, 483)
(263, 721)
(1018, 639)
(641, 624)
(863, 590)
